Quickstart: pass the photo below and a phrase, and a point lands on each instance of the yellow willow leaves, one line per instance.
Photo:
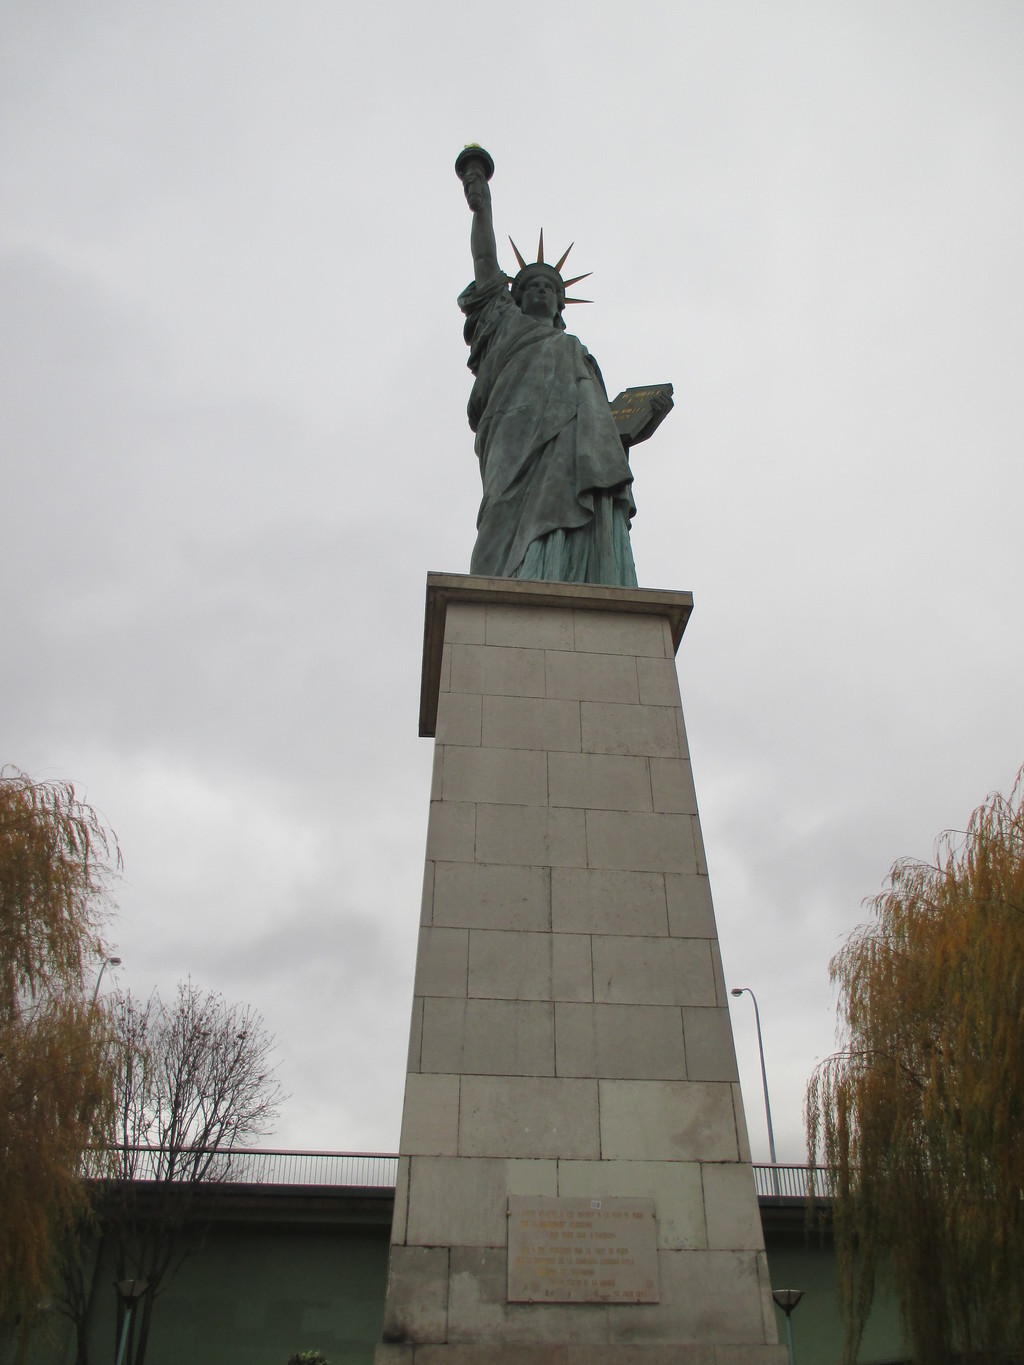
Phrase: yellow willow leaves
(56, 1083)
(921, 1113)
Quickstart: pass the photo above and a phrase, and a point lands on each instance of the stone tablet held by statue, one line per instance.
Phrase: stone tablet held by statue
(557, 486)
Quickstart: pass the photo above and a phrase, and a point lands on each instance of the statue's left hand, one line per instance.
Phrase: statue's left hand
(660, 404)
(476, 188)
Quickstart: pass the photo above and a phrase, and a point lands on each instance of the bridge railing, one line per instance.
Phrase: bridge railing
(378, 1170)
(266, 1166)
(791, 1182)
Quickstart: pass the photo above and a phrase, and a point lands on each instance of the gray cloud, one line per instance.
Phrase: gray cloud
(234, 441)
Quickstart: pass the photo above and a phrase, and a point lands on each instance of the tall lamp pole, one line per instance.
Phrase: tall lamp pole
(129, 1292)
(739, 990)
(787, 1299)
(107, 962)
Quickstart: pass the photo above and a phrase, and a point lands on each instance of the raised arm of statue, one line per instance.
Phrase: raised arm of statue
(474, 172)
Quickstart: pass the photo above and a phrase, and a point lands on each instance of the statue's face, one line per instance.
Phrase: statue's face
(539, 297)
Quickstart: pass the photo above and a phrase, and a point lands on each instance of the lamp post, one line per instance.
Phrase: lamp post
(107, 962)
(129, 1292)
(787, 1299)
(739, 990)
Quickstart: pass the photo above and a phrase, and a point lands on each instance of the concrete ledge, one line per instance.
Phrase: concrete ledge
(579, 1354)
(444, 588)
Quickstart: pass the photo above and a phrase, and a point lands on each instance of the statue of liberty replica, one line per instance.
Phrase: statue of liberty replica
(574, 1181)
(557, 499)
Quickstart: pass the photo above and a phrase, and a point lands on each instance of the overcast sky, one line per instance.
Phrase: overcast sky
(233, 442)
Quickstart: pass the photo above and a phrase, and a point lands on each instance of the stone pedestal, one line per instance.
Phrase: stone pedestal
(571, 1058)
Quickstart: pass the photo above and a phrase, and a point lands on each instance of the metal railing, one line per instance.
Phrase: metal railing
(378, 1170)
(264, 1166)
(791, 1182)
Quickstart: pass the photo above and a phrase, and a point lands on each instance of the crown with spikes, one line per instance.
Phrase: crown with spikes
(524, 265)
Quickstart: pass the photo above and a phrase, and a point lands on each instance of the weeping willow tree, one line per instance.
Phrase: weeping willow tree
(920, 1116)
(57, 858)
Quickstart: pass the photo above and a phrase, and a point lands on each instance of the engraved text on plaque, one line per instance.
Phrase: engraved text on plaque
(582, 1250)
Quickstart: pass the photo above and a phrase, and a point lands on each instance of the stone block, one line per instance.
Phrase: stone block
(530, 627)
(417, 1302)
(698, 844)
(415, 1036)
(532, 1177)
(599, 781)
(488, 1037)
(768, 1310)
(478, 1310)
(457, 1202)
(658, 683)
(531, 723)
(427, 897)
(652, 971)
(752, 1355)
(442, 962)
(464, 1353)
(451, 831)
(594, 901)
(516, 777)
(710, 1055)
(523, 966)
(667, 1121)
(591, 677)
(690, 912)
(721, 994)
(526, 1353)
(401, 1205)
(464, 623)
(675, 1187)
(640, 841)
(684, 751)
(497, 671)
(392, 1354)
(731, 1208)
(620, 633)
(430, 1117)
(633, 1042)
(491, 896)
(531, 836)
(624, 1354)
(707, 1297)
(437, 773)
(527, 1116)
(672, 786)
(614, 728)
(459, 718)
(740, 1120)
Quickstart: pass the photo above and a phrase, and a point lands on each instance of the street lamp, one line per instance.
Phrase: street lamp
(129, 1292)
(107, 962)
(739, 990)
(787, 1299)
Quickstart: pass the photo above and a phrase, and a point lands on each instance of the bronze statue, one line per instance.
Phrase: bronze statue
(557, 498)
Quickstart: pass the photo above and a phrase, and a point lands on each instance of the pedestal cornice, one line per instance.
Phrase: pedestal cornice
(442, 588)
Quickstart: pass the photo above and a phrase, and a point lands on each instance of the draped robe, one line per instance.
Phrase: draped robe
(556, 482)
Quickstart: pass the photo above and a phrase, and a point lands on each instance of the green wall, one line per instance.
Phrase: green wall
(302, 1271)
(256, 1294)
(799, 1260)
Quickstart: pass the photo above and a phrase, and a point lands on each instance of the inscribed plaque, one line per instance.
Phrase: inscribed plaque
(636, 414)
(582, 1250)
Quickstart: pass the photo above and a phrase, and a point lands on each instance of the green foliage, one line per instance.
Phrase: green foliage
(308, 1358)
(56, 861)
(921, 1114)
